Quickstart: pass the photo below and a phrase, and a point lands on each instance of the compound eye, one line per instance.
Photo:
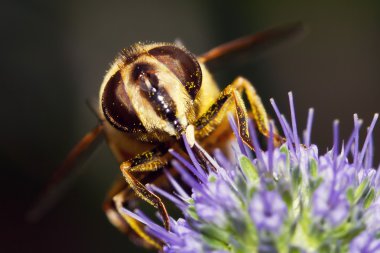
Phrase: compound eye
(183, 64)
(117, 107)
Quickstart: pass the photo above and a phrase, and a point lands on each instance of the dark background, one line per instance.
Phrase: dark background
(54, 54)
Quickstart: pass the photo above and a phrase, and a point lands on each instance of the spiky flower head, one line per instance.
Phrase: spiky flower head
(282, 199)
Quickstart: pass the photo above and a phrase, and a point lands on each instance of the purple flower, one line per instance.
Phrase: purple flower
(268, 211)
(371, 217)
(287, 199)
(219, 205)
(365, 243)
(328, 206)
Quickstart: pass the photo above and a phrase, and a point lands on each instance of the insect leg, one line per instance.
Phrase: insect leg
(133, 228)
(110, 209)
(216, 113)
(146, 162)
(231, 96)
(258, 111)
(122, 195)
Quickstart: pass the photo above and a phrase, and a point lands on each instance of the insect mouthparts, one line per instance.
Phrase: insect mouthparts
(177, 126)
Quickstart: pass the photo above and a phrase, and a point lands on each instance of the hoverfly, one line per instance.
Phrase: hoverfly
(152, 95)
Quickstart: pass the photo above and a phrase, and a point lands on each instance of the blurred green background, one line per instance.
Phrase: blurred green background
(53, 57)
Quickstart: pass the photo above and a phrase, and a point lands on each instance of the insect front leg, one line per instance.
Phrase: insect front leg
(146, 162)
(258, 111)
(231, 97)
(121, 195)
(134, 229)
(110, 209)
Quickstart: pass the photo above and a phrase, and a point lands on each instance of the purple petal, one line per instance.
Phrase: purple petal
(200, 175)
(268, 211)
(368, 137)
(294, 122)
(236, 133)
(281, 120)
(308, 127)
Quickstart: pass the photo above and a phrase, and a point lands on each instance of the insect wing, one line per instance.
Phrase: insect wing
(71, 167)
(246, 48)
